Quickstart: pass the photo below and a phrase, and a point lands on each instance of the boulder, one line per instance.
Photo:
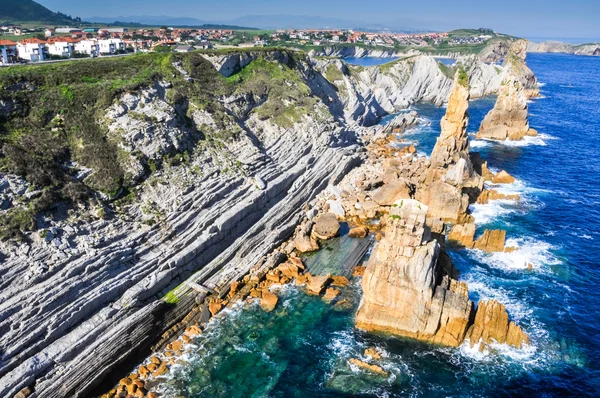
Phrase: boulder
(491, 241)
(503, 178)
(316, 284)
(491, 194)
(330, 294)
(305, 244)
(326, 227)
(463, 234)
(359, 270)
(336, 208)
(214, 307)
(492, 325)
(339, 281)
(358, 232)
(391, 192)
(268, 301)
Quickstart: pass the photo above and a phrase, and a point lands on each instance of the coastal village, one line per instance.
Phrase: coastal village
(48, 44)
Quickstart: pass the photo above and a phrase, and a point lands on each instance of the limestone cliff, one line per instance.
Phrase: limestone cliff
(592, 49)
(509, 117)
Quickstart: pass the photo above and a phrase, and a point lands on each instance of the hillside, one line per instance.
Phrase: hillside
(28, 11)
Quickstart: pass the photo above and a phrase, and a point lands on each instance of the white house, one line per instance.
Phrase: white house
(8, 52)
(89, 47)
(32, 50)
(110, 46)
(61, 47)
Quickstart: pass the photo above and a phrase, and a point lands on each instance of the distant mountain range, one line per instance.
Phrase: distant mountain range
(256, 21)
(18, 11)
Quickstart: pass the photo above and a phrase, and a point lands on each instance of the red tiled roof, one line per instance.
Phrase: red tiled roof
(34, 40)
(7, 43)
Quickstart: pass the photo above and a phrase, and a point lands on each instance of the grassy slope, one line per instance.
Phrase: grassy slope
(28, 11)
(62, 117)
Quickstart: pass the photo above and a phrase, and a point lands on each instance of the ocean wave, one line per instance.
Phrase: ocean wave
(474, 144)
(485, 214)
(530, 254)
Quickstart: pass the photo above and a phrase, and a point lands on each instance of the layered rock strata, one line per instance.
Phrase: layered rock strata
(406, 291)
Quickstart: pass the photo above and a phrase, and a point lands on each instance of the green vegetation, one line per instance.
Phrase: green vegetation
(448, 71)
(333, 73)
(463, 77)
(21, 11)
(61, 110)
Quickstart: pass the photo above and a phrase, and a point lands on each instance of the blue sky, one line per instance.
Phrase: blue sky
(527, 18)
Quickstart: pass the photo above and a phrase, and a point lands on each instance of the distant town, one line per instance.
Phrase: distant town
(45, 44)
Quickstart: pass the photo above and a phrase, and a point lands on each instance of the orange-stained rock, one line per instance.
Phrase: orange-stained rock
(316, 284)
(373, 353)
(358, 232)
(463, 234)
(491, 241)
(152, 367)
(492, 325)
(268, 301)
(177, 345)
(162, 369)
(214, 307)
(297, 261)
(255, 293)
(359, 270)
(140, 392)
(144, 372)
(289, 269)
(503, 178)
(339, 281)
(302, 279)
(152, 394)
(405, 289)
(193, 330)
(491, 194)
(330, 294)
(139, 383)
(365, 366)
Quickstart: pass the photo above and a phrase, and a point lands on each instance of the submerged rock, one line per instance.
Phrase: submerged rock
(366, 366)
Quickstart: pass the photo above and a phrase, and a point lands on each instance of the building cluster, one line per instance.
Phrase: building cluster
(332, 37)
(62, 43)
(457, 41)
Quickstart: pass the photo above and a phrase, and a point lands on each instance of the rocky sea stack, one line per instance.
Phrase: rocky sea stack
(508, 120)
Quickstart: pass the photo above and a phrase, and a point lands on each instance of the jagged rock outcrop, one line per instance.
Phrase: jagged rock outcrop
(492, 325)
(451, 178)
(405, 289)
(509, 117)
(491, 241)
(367, 94)
(409, 290)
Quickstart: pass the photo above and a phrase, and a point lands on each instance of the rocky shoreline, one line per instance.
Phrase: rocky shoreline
(110, 292)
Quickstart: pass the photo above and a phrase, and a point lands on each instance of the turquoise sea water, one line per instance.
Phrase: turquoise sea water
(301, 349)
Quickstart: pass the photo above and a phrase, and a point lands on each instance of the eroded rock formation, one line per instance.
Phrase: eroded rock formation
(406, 291)
(493, 326)
(509, 117)
(451, 180)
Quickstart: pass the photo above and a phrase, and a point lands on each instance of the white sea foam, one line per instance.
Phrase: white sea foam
(541, 84)
(478, 144)
(485, 214)
(530, 252)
